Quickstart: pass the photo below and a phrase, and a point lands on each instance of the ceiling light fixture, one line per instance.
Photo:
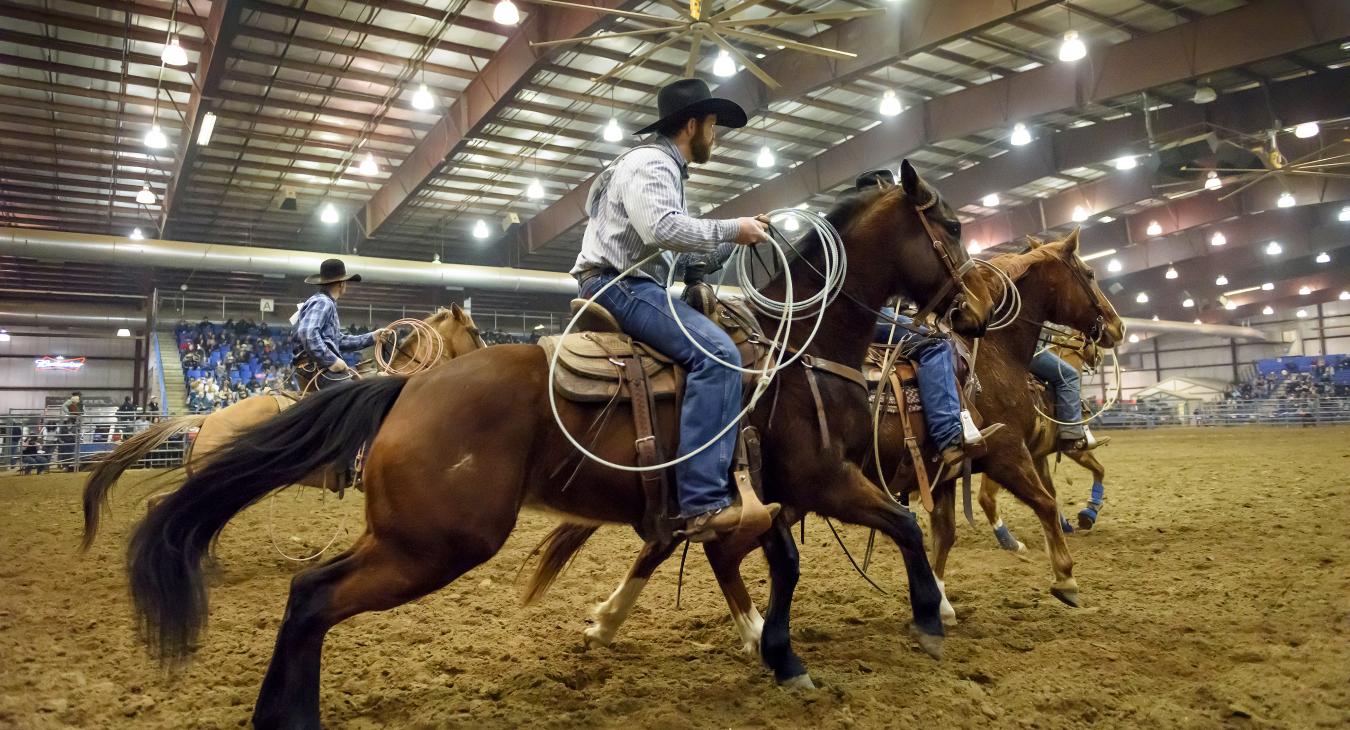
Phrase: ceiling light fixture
(1274, 248)
(1221, 280)
(1072, 49)
(765, 158)
(1344, 296)
(1230, 305)
(1301, 314)
(208, 127)
(1306, 130)
(1304, 291)
(1114, 265)
(368, 166)
(422, 98)
(1267, 310)
(123, 332)
(1323, 258)
(1204, 95)
(1126, 163)
(1106, 219)
(174, 55)
(1212, 181)
(724, 66)
(990, 201)
(1344, 215)
(1268, 286)
(1141, 297)
(890, 104)
(1155, 318)
(1188, 302)
(1218, 239)
(1134, 339)
(1020, 135)
(1171, 273)
(1154, 229)
(145, 196)
(973, 246)
(506, 13)
(329, 214)
(1285, 200)
(480, 229)
(1197, 321)
(136, 235)
(613, 132)
(435, 258)
(1079, 214)
(535, 190)
(155, 139)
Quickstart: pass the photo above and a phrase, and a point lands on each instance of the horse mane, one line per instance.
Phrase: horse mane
(1016, 265)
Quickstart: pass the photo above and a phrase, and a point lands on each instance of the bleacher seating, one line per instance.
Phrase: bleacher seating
(1296, 376)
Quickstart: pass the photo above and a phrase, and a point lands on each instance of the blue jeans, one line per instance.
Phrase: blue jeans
(1063, 379)
(936, 373)
(712, 396)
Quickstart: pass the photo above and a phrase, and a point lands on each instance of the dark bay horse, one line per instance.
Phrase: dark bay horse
(218, 428)
(455, 453)
(1051, 290)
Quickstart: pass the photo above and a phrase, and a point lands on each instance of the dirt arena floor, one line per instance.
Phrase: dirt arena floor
(1216, 592)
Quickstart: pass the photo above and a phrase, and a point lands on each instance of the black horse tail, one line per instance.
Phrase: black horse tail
(325, 430)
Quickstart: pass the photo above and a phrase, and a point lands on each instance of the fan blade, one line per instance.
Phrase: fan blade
(608, 11)
(806, 17)
(602, 36)
(759, 73)
(695, 45)
(637, 60)
(738, 7)
(772, 41)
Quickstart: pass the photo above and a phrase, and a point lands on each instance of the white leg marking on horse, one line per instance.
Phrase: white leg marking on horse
(750, 626)
(945, 610)
(610, 615)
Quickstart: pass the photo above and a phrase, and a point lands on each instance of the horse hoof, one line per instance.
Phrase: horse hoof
(930, 643)
(1068, 595)
(1087, 519)
(801, 681)
(594, 638)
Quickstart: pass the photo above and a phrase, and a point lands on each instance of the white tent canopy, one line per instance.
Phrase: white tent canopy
(1184, 389)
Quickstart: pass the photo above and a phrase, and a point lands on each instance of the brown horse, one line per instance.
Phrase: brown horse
(1050, 291)
(219, 428)
(458, 451)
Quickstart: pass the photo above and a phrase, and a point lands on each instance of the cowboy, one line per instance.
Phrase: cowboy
(1063, 379)
(318, 333)
(636, 208)
(935, 371)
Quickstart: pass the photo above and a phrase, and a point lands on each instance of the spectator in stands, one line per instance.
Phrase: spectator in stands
(318, 333)
(126, 414)
(71, 408)
(34, 457)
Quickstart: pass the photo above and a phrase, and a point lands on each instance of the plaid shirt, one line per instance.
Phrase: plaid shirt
(318, 333)
(637, 207)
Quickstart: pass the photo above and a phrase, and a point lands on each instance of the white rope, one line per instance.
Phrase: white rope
(427, 354)
(1009, 306)
(835, 258)
(271, 532)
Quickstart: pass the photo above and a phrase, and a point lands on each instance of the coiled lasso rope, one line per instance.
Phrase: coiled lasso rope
(1009, 306)
(786, 310)
(428, 352)
(1115, 396)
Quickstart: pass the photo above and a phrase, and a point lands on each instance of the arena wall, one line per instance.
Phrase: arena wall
(108, 371)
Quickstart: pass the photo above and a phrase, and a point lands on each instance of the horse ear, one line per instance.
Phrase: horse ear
(1071, 243)
(457, 312)
(909, 179)
(1034, 242)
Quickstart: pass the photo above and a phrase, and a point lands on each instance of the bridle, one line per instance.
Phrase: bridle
(1095, 333)
(955, 273)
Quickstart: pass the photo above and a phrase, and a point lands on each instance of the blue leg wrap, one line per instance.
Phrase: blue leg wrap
(1064, 525)
(1098, 493)
(1005, 538)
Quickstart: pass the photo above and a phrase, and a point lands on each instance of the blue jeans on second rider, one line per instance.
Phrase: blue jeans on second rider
(936, 373)
(1063, 380)
(712, 396)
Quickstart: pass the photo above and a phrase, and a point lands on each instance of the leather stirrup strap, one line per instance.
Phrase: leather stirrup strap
(821, 419)
(755, 518)
(965, 492)
(912, 444)
(655, 484)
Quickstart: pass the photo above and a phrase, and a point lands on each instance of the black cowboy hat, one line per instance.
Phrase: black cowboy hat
(690, 98)
(330, 271)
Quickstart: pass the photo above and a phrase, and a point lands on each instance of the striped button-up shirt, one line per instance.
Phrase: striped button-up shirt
(637, 207)
(318, 332)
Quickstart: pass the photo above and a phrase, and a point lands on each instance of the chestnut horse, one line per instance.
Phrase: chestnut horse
(454, 325)
(1049, 291)
(456, 452)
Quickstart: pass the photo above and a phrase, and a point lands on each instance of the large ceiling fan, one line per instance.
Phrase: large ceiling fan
(701, 27)
(1258, 157)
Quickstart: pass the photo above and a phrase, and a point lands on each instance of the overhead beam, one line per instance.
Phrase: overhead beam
(487, 94)
(904, 30)
(222, 26)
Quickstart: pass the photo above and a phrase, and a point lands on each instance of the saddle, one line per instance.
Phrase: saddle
(601, 364)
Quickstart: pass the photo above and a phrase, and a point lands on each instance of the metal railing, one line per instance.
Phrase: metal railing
(1299, 411)
(39, 442)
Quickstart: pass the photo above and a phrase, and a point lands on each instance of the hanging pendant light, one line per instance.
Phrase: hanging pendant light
(207, 129)
(1306, 130)
(174, 55)
(765, 158)
(1268, 286)
(145, 196)
(1072, 48)
(890, 104)
(1171, 273)
(613, 133)
(724, 66)
(1304, 291)
(1114, 266)
(136, 235)
(155, 139)
(1267, 310)
(1126, 163)
(1221, 280)
(535, 190)
(329, 214)
(1274, 248)
(1079, 214)
(506, 13)
(990, 201)
(1323, 258)
(1141, 297)
(1218, 239)
(368, 166)
(480, 229)
(1188, 302)
(1286, 200)
(1230, 305)
(1301, 314)
(422, 98)
(1020, 135)
(974, 246)
(1154, 229)
(1344, 296)
(1212, 181)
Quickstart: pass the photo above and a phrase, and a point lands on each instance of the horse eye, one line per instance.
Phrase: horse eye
(1091, 274)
